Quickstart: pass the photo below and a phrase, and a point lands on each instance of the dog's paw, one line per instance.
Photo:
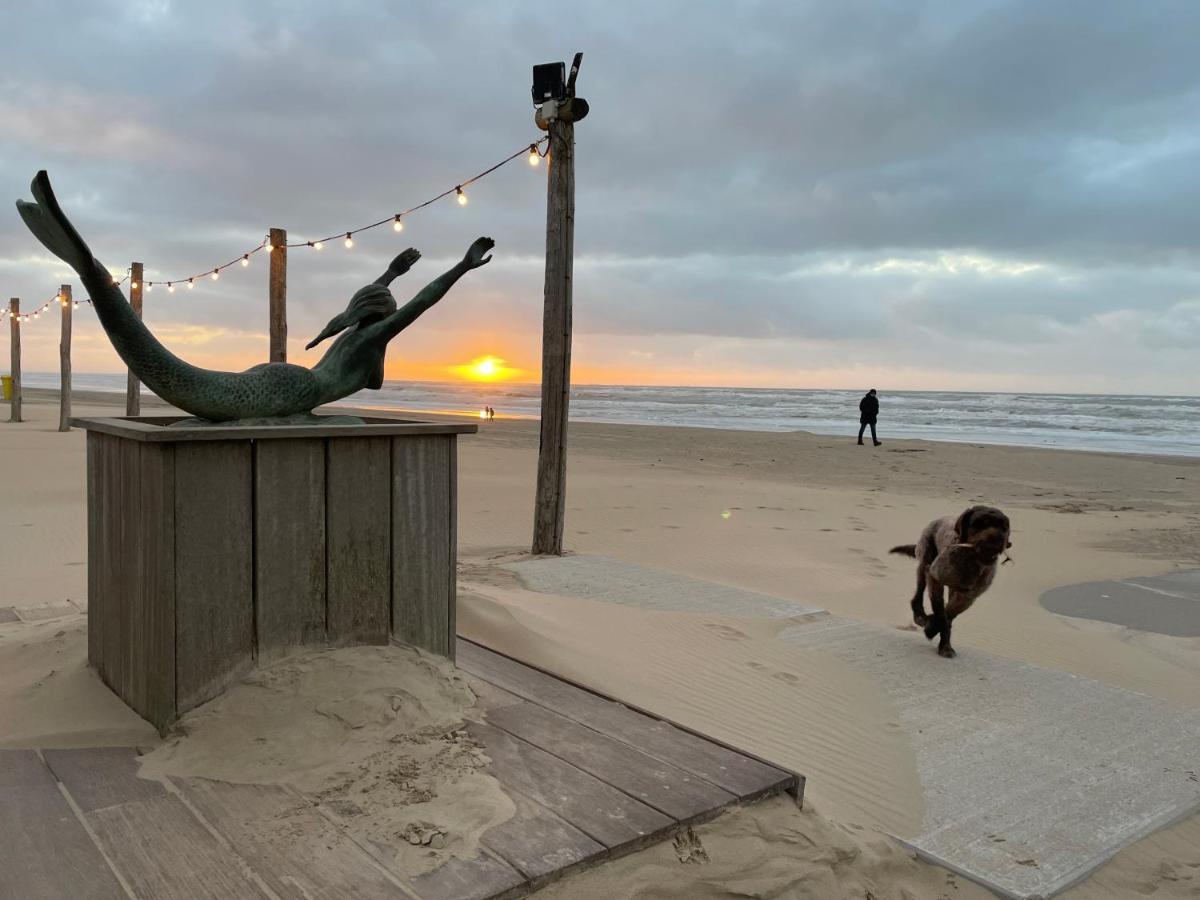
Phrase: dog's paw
(920, 620)
(932, 628)
(947, 652)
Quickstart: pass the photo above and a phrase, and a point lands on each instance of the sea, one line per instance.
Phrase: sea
(1114, 423)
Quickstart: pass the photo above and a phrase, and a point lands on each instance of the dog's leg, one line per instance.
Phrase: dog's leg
(959, 604)
(918, 600)
(937, 602)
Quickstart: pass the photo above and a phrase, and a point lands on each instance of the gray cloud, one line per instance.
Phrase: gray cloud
(1020, 176)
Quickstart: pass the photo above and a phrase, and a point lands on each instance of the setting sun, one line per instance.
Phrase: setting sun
(486, 368)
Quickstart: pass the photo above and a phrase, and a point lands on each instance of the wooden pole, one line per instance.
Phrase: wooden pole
(277, 292)
(550, 506)
(64, 359)
(14, 321)
(133, 390)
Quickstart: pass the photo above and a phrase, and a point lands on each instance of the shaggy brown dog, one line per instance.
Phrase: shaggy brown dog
(960, 554)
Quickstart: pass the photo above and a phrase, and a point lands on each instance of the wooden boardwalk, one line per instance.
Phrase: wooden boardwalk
(591, 780)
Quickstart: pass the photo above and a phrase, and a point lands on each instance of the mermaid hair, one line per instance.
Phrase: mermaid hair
(367, 306)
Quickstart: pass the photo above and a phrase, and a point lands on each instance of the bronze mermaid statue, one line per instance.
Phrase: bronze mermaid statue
(270, 391)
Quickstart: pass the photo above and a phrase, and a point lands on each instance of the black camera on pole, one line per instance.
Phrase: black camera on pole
(554, 93)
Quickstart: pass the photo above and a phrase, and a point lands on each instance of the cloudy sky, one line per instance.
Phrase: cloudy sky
(948, 195)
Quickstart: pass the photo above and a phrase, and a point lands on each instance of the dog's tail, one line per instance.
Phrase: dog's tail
(905, 550)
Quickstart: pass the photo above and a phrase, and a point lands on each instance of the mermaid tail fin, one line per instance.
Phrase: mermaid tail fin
(50, 225)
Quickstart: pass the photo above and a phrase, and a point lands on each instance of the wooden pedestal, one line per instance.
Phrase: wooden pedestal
(210, 549)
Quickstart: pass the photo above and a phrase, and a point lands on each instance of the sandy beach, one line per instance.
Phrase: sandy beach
(800, 517)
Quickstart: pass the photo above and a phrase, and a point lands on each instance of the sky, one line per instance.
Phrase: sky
(908, 195)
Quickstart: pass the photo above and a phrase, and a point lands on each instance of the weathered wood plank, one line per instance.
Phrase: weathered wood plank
(359, 540)
(214, 575)
(681, 795)
(98, 777)
(164, 852)
(479, 878)
(150, 619)
(289, 545)
(153, 840)
(728, 769)
(45, 852)
(539, 844)
(423, 577)
(294, 849)
(600, 811)
(99, 594)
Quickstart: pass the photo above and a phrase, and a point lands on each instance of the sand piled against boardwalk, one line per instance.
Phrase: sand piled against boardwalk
(372, 732)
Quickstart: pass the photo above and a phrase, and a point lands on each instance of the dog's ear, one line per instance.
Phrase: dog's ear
(963, 524)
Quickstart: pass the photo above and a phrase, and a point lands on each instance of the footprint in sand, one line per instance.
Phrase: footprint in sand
(724, 631)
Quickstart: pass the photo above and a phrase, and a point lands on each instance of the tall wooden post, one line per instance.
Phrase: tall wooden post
(14, 322)
(133, 389)
(277, 291)
(550, 506)
(64, 359)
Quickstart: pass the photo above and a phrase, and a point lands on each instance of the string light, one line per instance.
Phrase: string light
(396, 220)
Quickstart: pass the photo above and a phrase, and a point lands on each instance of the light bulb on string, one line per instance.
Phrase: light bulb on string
(397, 225)
(216, 273)
(462, 198)
(191, 283)
(349, 240)
(133, 285)
(317, 245)
(534, 159)
(149, 286)
(170, 287)
(245, 260)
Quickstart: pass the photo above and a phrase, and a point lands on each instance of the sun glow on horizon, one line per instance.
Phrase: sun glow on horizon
(486, 368)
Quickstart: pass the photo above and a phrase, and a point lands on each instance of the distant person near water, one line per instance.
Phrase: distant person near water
(868, 409)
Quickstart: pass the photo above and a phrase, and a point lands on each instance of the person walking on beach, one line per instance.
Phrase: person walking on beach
(868, 409)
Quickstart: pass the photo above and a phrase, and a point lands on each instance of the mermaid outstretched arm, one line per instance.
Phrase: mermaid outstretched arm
(476, 256)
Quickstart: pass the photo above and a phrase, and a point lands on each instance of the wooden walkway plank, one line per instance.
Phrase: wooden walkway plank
(672, 791)
(600, 811)
(45, 852)
(479, 878)
(161, 850)
(102, 776)
(165, 853)
(293, 848)
(734, 772)
(539, 844)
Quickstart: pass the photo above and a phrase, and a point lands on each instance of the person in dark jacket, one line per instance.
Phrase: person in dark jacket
(868, 409)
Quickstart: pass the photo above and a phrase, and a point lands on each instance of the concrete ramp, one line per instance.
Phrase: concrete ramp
(1032, 778)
